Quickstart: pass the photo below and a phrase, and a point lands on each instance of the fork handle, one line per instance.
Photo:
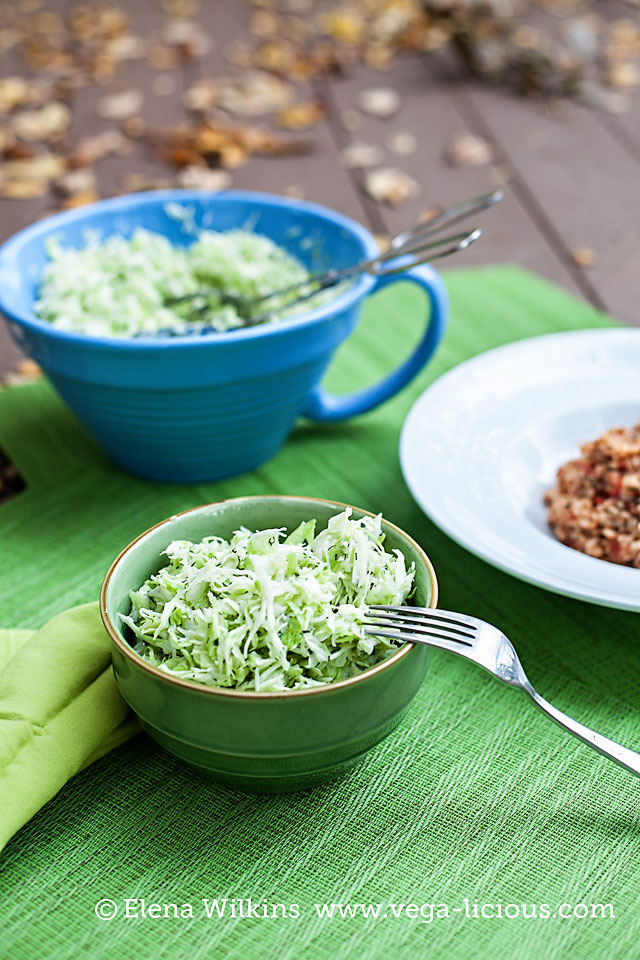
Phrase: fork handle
(628, 759)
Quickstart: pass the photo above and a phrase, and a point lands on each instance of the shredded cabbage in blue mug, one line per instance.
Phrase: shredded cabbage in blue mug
(267, 612)
(120, 287)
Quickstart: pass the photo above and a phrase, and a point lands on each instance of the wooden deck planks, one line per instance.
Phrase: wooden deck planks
(14, 214)
(574, 179)
(432, 110)
(112, 172)
(316, 175)
(581, 183)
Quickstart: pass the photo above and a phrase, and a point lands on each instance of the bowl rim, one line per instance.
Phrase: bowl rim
(120, 204)
(327, 688)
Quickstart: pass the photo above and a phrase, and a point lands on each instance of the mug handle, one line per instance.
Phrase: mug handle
(324, 406)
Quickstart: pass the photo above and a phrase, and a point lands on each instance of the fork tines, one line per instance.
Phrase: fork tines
(401, 623)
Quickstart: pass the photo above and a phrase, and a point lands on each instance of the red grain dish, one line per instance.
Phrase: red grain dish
(595, 506)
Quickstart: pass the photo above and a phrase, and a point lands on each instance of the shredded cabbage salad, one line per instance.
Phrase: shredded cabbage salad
(267, 612)
(118, 287)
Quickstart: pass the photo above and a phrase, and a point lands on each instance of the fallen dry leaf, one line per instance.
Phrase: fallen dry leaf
(402, 143)
(624, 39)
(284, 58)
(23, 189)
(360, 154)
(295, 191)
(377, 56)
(326, 58)
(383, 240)
(426, 216)
(261, 140)
(227, 143)
(233, 155)
(80, 180)
(253, 94)
(80, 199)
(126, 46)
(379, 102)
(91, 149)
(301, 116)
(188, 36)
(26, 371)
(118, 106)
(47, 123)
(181, 9)
(391, 186)
(44, 167)
(584, 257)
(181, 156)
(201, 178)
(202, 96)
(345, 24)
(20, 151)
(240, 55)
(14, 91)
(163, 57)
(134, 126)
(93, 24)
(297, 29)
(135, 182)
(466, 149)
(209, 139)
(528, 38)
(623, 75)
(264, 23)
(8, 143)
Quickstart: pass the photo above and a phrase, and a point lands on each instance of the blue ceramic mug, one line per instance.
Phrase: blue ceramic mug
(193, 409)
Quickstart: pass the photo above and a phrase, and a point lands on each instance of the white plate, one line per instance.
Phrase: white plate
(482, 444)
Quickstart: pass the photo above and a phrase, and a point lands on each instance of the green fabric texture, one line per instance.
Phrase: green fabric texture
(59, 710)
(10, 642)
(476, 795)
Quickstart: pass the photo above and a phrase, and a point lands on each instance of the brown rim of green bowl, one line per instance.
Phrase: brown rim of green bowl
(254, 694)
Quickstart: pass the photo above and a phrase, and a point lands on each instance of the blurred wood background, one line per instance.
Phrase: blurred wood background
(570, 172)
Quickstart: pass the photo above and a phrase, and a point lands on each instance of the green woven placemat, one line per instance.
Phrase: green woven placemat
(476, 795)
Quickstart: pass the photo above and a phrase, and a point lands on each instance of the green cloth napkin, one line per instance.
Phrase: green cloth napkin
(476, 795)
(60, 710)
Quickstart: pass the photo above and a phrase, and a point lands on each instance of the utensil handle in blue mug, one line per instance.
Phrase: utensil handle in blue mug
(325, 406)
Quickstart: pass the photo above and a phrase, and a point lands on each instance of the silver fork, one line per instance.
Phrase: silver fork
(421, 250)
(487, 646)
(416, 246)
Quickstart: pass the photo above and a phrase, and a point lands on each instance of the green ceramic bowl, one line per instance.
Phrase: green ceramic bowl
(262, 742)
